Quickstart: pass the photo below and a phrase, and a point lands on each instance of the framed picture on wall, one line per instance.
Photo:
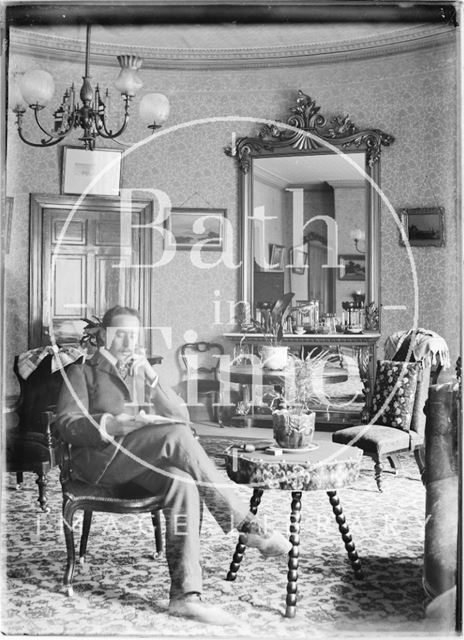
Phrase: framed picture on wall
(276, 257)
(201, 227)
(100, 167)
(352, 267)
(423, 227)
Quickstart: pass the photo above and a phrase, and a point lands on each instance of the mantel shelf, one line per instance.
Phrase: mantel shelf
(368, 338)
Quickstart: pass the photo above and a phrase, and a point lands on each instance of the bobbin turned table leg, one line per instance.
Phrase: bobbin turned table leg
(346, 536)
(293, 556)
(240, 548)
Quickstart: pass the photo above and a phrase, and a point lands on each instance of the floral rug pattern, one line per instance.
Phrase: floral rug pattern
(123, 591)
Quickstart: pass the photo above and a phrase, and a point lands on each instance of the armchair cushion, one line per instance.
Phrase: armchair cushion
(398, 411)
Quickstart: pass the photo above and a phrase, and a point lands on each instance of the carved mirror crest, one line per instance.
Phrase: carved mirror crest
(340, 132)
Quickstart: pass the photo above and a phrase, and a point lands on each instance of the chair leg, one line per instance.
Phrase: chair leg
(202, 511)
(19, 480)
(68, 515)
(394, 462)
(378, 473)
(217, 408)
(419, 454)
(85, 536)
(42, 482)
(156, 519)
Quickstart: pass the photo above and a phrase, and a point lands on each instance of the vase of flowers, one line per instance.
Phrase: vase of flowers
(274, 355)
(292, 417)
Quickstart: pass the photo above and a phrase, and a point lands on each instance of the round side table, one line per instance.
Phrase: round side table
(326, 467)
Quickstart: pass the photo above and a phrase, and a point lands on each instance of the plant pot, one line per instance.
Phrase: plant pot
(293, 429)
(274, 358)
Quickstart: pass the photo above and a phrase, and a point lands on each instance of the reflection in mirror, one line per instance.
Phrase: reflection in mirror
(310, 216)
(309, 229)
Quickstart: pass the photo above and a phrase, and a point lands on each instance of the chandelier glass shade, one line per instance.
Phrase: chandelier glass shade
(154, 109)
(85, 110)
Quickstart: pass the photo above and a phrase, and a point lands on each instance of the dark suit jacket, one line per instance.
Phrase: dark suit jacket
(92, 389)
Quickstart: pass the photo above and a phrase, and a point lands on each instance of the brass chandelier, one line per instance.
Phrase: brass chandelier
(35, 89)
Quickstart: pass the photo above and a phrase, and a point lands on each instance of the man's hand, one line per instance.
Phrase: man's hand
(149, 418)
(138, 363)
(123, 424)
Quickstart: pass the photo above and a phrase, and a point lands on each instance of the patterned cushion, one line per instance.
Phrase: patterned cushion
(402, 378)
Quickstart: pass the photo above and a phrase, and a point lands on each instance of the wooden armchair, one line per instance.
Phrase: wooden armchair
(90, 498)
(201, 361)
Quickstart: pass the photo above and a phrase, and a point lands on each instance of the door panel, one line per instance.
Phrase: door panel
(111, 284)
(69, 285)
(88, 269)
(76, 232)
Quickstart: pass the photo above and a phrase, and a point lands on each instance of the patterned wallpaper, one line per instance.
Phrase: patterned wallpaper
(411, 95)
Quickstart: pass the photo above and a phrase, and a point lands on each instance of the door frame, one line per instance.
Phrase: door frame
(38, 203)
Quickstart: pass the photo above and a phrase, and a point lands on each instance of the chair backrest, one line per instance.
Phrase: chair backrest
(403, 410)
(38, 394)
(201, 359)
(429, 375)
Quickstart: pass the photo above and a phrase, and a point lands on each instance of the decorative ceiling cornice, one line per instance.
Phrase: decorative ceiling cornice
(51, 46)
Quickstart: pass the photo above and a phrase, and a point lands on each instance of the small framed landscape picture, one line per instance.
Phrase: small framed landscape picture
(100, 168)
(203, 228)
(352, 267)
(423, 227)
(276, 257)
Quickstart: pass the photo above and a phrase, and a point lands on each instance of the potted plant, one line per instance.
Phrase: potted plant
(292, 418)
(274, 355)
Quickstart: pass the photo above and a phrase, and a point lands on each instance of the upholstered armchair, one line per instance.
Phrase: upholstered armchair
(396, 416)
(30, 445)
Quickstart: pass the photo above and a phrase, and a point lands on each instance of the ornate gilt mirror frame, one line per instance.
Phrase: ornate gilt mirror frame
(312, 133)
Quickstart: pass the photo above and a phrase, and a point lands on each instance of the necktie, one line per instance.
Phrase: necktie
(123, 369)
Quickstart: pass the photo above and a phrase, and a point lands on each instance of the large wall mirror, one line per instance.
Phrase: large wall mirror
(310, 214)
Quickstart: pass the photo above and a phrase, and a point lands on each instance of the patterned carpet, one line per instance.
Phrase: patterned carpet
(122, 591)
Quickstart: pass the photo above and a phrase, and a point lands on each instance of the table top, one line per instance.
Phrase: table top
(328, 466)
(256, 374)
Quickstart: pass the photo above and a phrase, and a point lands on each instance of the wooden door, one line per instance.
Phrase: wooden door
(321, 282)
(84, 262)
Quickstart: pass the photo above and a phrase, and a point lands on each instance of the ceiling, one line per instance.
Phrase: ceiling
(178, 33)
(226, 45)
(221, 36)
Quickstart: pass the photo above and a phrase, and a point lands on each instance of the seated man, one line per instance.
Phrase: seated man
(113, 444)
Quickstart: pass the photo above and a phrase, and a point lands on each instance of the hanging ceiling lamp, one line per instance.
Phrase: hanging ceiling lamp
(35, 89)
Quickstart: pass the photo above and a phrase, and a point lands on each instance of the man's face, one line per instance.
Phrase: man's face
(123, 336)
